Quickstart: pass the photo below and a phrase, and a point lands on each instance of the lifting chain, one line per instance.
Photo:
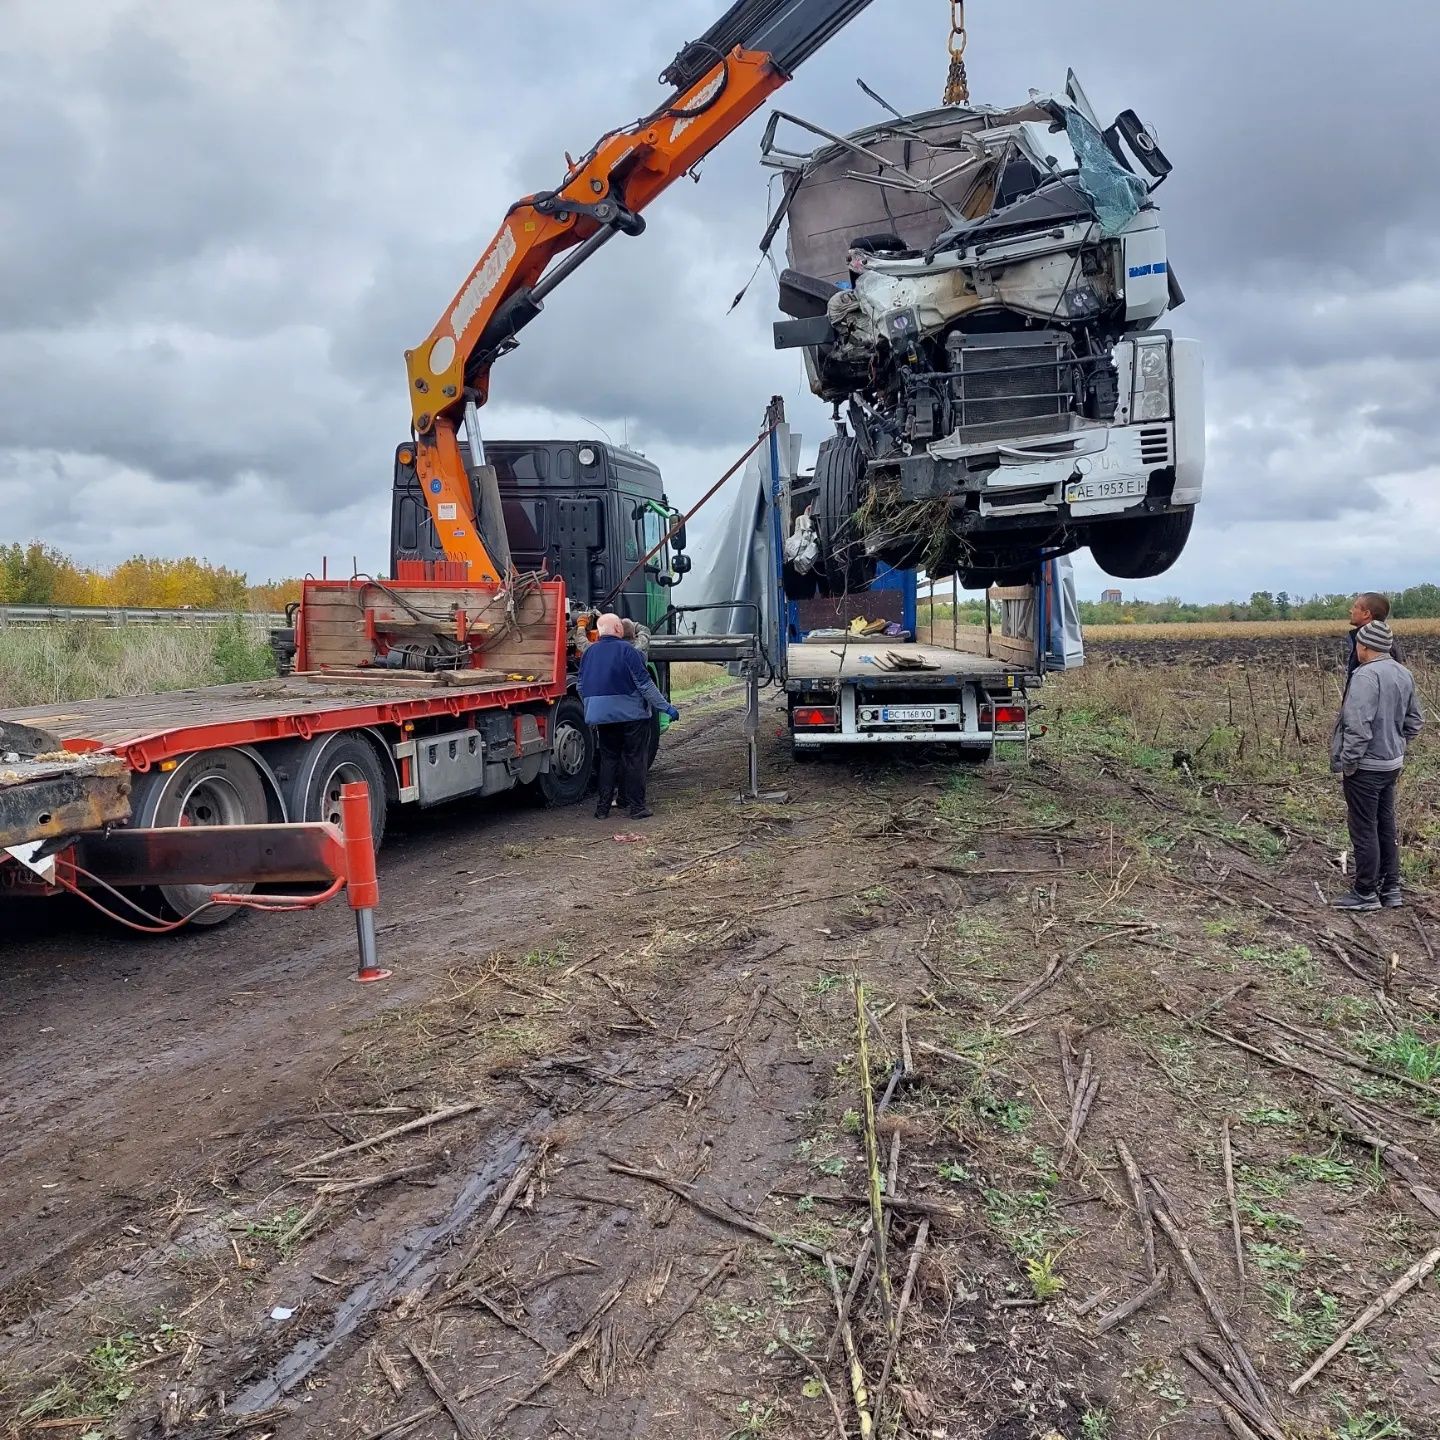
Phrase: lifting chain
(957, 86)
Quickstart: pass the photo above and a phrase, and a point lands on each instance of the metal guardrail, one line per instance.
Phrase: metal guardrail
(114, 616)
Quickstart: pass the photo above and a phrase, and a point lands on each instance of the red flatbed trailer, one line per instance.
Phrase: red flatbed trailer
(422, 691)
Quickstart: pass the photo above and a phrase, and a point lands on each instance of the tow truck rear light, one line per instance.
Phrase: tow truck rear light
(816, 717)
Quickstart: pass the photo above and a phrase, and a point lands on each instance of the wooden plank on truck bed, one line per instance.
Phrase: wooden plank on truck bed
(1019, 653)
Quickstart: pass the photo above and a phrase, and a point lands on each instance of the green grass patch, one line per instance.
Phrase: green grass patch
(102, 1382)
(1263, 1112)
(1012, 1116)
(1293, 962)
(1407, 1052)
(550, 957)
(1274, 1258)
(1326, 1169)
(1307, 1321)
(1372, 1425)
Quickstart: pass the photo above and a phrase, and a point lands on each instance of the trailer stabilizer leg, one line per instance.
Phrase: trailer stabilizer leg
(362, 886)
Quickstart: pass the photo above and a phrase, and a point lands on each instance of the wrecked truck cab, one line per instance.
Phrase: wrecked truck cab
(986, 292)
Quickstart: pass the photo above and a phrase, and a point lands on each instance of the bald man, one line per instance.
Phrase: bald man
(619, 698)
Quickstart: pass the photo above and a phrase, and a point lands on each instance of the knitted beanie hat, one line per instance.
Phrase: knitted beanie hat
(1376, 636)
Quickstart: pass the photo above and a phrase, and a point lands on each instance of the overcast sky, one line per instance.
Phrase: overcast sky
(222, 223)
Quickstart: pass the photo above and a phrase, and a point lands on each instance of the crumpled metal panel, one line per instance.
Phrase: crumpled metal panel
(831, 207)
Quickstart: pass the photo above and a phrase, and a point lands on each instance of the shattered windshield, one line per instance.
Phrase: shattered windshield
(1117, 194)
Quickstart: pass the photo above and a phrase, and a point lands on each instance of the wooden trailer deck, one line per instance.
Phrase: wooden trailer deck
(176, 722)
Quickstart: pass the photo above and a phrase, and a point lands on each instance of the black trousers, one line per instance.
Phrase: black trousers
(624, 751)
(1370, 815)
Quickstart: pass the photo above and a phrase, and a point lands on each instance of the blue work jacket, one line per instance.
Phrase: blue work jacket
(615, 685)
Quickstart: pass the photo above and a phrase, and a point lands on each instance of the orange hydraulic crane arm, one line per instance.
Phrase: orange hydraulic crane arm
(718, 82)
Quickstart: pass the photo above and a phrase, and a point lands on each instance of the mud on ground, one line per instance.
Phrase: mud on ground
(635, 1173)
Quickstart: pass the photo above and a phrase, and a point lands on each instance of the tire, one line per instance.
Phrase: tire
(216, 787)
(655, 733)
(1140, 549)
(312, 793)
(572, 755)
(843, 565)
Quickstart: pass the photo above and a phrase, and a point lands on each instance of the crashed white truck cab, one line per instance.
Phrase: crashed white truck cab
(985, 292)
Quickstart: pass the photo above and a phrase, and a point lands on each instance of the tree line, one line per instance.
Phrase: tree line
(38, 574)
(1419, 602)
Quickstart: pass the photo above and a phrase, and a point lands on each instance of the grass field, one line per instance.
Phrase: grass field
(1226, 729)
(42, 664)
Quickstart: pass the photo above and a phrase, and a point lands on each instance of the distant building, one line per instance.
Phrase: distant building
(1111, 597)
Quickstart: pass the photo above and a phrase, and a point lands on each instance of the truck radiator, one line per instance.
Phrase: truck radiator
(1012, 384)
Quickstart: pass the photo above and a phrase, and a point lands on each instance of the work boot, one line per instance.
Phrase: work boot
(643, 813)
(1391, 898)
(1357, 900)
(602, 812)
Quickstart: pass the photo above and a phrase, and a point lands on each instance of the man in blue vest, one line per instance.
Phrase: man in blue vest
(619, 698)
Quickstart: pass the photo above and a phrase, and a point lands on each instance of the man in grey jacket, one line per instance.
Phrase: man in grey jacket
(1379, 716)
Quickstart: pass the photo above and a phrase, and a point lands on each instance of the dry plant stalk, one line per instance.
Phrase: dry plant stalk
(1135, 1303)
(1228, 1157)
(872, 1155)
(436, 1117)
(1372, 1312)
(1207, 1294)
(1142, 1203)
(858, 1387)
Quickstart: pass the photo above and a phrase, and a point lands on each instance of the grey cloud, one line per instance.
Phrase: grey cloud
(222, 225)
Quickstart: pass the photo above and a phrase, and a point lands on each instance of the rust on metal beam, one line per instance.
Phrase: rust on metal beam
(53, 797)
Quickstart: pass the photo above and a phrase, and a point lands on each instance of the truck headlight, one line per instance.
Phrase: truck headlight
(1151, 400)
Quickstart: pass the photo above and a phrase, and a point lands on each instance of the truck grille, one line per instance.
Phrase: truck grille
(1010, 385)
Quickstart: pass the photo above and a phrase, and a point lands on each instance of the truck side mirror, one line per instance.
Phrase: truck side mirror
(683, 564)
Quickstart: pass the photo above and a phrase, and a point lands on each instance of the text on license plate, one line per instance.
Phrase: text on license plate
(1130, 486)
(907, 714)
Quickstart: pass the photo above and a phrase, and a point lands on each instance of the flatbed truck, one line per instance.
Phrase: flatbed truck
(843, 687)
(366, 704)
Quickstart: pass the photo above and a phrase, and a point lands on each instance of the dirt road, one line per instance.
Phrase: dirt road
(632, 1051)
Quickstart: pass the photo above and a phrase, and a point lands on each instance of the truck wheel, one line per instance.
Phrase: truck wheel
(1139, 549)
(839, 489)
(572, 755)
(313, 790)
(655, 733)
(215, 787)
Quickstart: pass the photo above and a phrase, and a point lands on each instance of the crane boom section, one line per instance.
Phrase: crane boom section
(720, 80)
(622, 176)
